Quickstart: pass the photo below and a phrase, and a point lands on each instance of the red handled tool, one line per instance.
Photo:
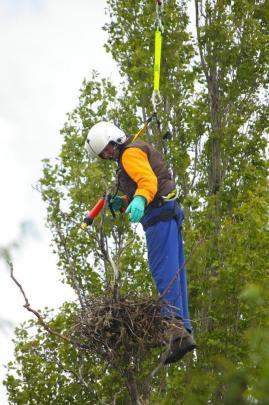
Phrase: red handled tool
(88, 220)
(93, 213)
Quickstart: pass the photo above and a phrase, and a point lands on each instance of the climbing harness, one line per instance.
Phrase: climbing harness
(165, 215)
(171, 196)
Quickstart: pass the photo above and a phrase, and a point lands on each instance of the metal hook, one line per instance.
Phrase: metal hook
(156, 100)
(159, 11)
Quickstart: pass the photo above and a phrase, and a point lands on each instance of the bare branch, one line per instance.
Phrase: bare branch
(147, 383)
(105, 249)
(39, 317)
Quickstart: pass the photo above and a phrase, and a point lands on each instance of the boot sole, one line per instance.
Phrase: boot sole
(179, 354)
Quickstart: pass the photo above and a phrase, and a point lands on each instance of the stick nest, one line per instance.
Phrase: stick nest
(129, 324)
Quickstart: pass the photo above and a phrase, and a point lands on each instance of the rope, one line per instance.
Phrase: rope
(156, 97)
(143, 129)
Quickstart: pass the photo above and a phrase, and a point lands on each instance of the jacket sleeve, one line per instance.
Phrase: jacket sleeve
(136, 164)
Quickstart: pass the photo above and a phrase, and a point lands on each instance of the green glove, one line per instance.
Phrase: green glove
(116, 203)
(136, 208)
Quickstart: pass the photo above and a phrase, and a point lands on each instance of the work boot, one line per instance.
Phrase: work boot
(180, 341)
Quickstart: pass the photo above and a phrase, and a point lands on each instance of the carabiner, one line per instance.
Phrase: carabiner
(155, 100)
(158, 20)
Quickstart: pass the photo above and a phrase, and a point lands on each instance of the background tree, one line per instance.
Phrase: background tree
(215, 101)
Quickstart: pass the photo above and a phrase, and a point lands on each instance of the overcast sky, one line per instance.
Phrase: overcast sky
(47, 48)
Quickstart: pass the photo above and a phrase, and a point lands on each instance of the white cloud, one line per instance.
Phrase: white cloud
(47, 48)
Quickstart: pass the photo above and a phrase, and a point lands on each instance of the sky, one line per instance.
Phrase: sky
(47, 48)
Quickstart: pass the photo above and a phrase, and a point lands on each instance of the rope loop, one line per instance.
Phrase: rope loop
(159, 12)
(156, 100)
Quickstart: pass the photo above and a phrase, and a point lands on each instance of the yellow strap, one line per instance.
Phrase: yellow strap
(141, 131)
(157, 59)
(171, 196)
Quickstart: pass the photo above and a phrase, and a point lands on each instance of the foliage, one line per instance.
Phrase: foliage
(52, 370)
(215, 101)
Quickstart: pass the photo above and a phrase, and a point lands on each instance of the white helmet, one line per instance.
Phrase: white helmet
(100, 135)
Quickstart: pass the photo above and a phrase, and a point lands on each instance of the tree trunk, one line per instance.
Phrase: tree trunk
(214, 142)
(215, 168)
(132, 388)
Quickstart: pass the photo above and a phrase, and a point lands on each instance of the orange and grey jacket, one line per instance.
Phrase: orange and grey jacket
(142, 171)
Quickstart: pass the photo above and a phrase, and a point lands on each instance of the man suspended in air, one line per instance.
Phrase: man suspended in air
(150, 198)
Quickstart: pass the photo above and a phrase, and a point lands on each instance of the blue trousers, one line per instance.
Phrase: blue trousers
(166, 261)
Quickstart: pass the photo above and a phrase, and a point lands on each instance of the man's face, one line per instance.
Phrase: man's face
(109, 152)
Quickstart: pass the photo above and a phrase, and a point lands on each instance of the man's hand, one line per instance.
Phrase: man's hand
(116, 203)
(136, 208)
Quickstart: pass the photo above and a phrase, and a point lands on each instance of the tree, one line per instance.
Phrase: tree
(215, 102)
